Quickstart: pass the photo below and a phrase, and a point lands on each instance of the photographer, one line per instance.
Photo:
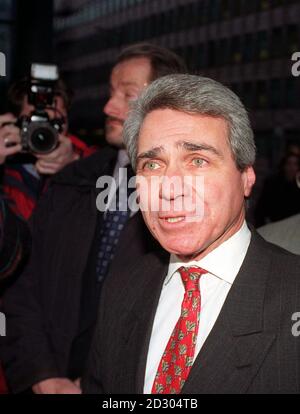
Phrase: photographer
(25, 174)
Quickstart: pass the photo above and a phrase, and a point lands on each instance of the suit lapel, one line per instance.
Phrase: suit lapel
(238, 342)
(149, 275)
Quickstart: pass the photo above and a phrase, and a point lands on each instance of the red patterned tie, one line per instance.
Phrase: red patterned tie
(178, 356)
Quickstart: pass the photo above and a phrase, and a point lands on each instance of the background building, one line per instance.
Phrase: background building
(245, 44)
(26, 35)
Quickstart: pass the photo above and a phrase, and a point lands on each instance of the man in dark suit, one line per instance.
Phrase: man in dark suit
(213, 310)
(52, 308)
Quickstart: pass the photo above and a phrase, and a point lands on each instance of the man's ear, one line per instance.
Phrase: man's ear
(248, 176)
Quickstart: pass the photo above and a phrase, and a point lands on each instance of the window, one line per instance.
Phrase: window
(201, 56)
(276, 88)
(277, 43)
(236, 51)
(262, 46)
(292, 93)
(238, 89)
(292, 38)
(225, 9)
(277, 3)
(223, 57)
(237, 7)
(248, 94)
(251, 6)
(212, 53)
(6, 10)
(264, 5)
(213, 10)
(262, 95)
(249, 48)
(191, 57)
(191, 15)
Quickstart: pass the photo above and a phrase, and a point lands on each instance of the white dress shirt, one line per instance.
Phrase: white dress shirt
(222, 265)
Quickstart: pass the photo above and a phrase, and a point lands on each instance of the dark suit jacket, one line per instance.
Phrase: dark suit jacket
(250, 349)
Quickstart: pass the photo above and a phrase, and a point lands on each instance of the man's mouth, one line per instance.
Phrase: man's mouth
(174, 219)
(114, 121)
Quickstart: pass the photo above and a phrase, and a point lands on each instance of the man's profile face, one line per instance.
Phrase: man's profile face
(177, 144)
(58, 104)
(128, 79)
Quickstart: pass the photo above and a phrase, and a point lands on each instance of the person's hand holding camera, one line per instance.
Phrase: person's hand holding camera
(10, 140)
(54, 161)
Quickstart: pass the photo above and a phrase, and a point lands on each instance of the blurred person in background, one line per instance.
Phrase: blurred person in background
(280, 197)
(285, 233)
(24, 176)
(293, 148)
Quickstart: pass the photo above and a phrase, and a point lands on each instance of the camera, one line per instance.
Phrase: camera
(39, 133)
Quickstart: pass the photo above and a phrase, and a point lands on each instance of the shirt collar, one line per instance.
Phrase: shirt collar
(30, 168)
(223, 262)
(123, 158)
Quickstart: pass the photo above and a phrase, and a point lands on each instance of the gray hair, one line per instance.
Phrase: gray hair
(195, 95)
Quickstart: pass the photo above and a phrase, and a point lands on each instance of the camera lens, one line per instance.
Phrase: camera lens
(43, 140)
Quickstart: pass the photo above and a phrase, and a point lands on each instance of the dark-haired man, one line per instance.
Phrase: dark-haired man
(52, 309)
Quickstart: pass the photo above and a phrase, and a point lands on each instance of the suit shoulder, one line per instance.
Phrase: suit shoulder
(284, 261)
(284, 233)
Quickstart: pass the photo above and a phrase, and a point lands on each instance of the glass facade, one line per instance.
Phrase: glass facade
(244, 44)
(92, 10)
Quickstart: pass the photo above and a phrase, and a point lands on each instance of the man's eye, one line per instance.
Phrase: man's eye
(151, 165)
(131, 96)
(198, 162)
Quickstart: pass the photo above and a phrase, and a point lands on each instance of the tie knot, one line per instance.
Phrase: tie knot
(190, 277)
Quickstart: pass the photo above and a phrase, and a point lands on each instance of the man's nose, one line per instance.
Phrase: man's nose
(171, 185)
(112, 108)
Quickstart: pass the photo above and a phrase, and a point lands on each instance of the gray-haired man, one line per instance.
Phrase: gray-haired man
(213, 311)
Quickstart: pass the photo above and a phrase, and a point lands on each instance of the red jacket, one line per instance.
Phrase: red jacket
(24, 190)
